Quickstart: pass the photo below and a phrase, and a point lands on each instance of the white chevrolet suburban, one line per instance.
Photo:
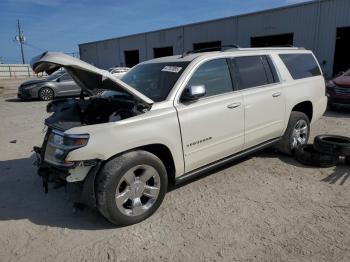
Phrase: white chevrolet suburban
(172, 118)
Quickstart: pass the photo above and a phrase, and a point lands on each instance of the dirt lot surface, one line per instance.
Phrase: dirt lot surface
(264, 208)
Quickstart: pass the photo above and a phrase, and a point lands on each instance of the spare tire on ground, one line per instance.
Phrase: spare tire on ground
(332, 145)
(307, 155)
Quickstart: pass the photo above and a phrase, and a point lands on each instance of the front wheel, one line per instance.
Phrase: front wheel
(46, 94)
(131, 187)
(296, 134)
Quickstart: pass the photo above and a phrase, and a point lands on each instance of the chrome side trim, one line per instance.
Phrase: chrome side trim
(211, 166)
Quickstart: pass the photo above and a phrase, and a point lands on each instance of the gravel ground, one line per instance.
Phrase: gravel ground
(264, 208)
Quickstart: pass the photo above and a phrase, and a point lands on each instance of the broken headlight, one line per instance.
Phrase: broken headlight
(60, 144)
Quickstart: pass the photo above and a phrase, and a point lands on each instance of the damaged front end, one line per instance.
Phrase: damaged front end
(53, 167)
(120, 101)
(52, 162)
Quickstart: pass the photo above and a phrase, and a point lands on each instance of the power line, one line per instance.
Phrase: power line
(20, 38)
(34, 47)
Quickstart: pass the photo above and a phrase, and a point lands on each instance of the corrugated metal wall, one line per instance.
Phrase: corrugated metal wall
(313, 24)
(333, 14)
(220, 30)
(165, 38)
(298, 20)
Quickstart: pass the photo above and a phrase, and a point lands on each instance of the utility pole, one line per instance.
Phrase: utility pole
(20, 38)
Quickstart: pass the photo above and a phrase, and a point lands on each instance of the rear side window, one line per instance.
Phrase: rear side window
(253, 71)
(301, 65)
(215, 76)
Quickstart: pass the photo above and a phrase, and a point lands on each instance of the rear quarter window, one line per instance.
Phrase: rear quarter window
(301, 65)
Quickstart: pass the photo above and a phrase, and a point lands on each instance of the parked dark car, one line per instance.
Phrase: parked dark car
(59, 84)
(338, 90)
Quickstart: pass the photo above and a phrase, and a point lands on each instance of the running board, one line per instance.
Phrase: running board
(199, 171)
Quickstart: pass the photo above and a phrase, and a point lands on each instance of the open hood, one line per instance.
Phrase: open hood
(85, 75)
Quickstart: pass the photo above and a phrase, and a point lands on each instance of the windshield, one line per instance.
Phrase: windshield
(155, 80)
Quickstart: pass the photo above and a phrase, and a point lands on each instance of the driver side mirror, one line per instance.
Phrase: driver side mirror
(193, 93)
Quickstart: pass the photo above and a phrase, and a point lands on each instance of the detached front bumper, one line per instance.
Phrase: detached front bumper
(82, 171)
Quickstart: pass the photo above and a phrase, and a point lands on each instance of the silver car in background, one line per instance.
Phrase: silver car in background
(59, 84)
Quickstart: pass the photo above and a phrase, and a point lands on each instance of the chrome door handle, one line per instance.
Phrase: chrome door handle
(234, 105)
(277, 94)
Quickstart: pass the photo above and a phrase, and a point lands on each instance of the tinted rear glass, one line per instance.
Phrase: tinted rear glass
(155, 80)
(301, 65)
(253, 71)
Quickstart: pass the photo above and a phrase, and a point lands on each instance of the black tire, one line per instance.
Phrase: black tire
(111, 175)
(333, 145)
(285, 144)
(46, 94)
(307, 155)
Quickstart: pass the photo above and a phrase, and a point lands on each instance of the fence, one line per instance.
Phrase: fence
(17, 71)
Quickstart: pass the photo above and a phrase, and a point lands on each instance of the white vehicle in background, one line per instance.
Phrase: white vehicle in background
(173, 118)
(118, 72)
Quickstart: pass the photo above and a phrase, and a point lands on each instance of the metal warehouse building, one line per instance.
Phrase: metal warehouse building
(322, 26)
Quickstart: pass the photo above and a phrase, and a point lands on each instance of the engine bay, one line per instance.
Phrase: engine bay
(110, 106)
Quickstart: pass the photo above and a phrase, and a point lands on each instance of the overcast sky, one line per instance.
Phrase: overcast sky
(60, 25)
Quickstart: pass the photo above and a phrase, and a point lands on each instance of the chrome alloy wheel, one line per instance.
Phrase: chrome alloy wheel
(300, 133)
(137, 190)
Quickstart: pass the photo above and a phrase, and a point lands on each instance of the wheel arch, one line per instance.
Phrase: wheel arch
(159, 150)
(305, 107)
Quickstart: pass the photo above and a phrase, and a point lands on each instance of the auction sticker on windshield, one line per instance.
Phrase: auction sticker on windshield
(172, 69)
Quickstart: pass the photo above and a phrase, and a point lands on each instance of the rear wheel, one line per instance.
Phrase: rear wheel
(296, 134)
(131, 187)
(46, 94)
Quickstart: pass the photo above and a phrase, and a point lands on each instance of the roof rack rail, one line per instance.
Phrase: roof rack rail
(266, 48)
(210, 49)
